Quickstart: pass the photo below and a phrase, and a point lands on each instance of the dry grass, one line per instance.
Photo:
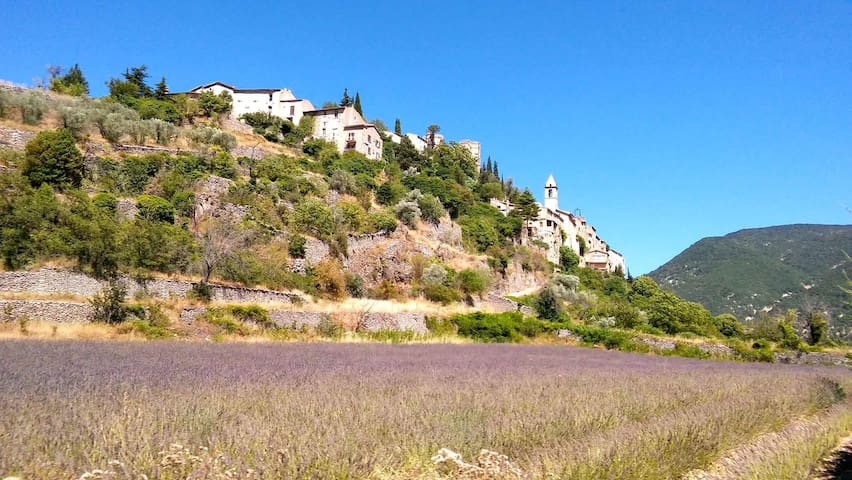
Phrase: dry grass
(381, 411)
(37, 329)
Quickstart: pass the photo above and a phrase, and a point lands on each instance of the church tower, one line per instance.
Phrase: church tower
(551, 194)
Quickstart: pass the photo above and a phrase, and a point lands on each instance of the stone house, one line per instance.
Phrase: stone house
(347, 129)
(416, 140)
(279, 102)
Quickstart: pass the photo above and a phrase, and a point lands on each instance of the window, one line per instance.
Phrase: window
(369, 139)
(292, 109)
(351, 135)
(270, 97)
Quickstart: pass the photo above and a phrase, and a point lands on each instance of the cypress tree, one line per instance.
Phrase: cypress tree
(496, 170)
(397, 127)
(358, 104)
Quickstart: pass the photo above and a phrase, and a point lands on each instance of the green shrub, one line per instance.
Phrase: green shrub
(296, 246)
(154, 209)
(106, 202)
(108, 305)
(200, 291)
(472, 282)
(440, 326)
(441, 294)
(32, 106)
(52, 157)
(498, 327)
(328, 328)
(611, 339)
(223, 319)
(251, 313)
(548, 304)
(313, 217)
(431, 209)
(381, 221)
(355, 286)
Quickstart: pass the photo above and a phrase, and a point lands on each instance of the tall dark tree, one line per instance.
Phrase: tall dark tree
(496, 170)
(397, 127)
(357, 104)
(488, 166)
(346, 101)
(137, 76)
(161, 90)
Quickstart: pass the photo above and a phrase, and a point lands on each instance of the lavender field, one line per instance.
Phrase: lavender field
(380, 411)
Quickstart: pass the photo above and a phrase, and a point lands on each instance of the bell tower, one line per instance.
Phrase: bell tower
(551, 194)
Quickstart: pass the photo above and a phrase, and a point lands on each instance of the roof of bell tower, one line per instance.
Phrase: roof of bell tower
(550, 183)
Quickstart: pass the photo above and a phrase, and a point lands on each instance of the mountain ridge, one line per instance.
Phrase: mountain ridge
(766, 269)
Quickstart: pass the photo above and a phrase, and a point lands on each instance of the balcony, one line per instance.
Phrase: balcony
(350, 144)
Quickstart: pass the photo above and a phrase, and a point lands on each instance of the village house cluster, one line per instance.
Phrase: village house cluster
(343, 126)
(347, 129)
(556, 228)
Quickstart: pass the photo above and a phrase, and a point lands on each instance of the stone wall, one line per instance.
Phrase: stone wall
(14, 138)
(374, 321)
(57, 281)
(48, 310)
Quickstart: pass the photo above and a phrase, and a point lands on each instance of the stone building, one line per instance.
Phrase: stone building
(279, 102)
(346, 128)
(556, 228)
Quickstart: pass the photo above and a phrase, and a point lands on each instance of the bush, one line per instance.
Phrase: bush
(568, 259)
(328, 328)
(431, 208)
(251, 313)
(408, 213)
(472, 282)
(498, 327)
(106, 202)
(434, 274)
(200, 291)
(611, 339)
(355, 286)
(381, 221)
(296, 246)
(548, 304)
(329, 279)
(441, 294)
(389, 193)
(313, 217)
(33, 106)
(440, 326)
(108, 306)
(154, 209)
(728, 325)
(75, 120)
(52, 157)
(343, 182)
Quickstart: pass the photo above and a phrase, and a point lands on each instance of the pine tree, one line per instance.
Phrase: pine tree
(397, 127)
(358, 104)
(161, 89)
(346, 101)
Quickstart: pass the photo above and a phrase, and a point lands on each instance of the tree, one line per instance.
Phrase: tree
(525, 205)
(52, 157)
(137, 76)
(397, 127)
(346, 101)
(72, 83)
(161, 90)
(818, 326)
(431, 130)
(357, 104)
(154, 209)
(568, 259)
(221, 240)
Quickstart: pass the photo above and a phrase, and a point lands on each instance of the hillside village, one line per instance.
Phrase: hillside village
(348, 130)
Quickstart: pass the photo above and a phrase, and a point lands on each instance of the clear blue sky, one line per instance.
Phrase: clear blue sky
(663, 121)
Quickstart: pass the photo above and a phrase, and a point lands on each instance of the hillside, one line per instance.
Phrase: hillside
(789, 266)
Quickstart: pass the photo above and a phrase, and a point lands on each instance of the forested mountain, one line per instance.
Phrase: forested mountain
(781, 267)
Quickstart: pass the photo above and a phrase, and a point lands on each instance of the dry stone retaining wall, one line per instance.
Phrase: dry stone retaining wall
(14, 138)
(48, 310)
(57, 281)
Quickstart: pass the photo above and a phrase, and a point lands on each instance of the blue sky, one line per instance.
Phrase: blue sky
(662, 121)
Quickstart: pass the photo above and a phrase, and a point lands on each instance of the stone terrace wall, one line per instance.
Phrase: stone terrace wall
(49, 310)
(57, 281)
(14, 138)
